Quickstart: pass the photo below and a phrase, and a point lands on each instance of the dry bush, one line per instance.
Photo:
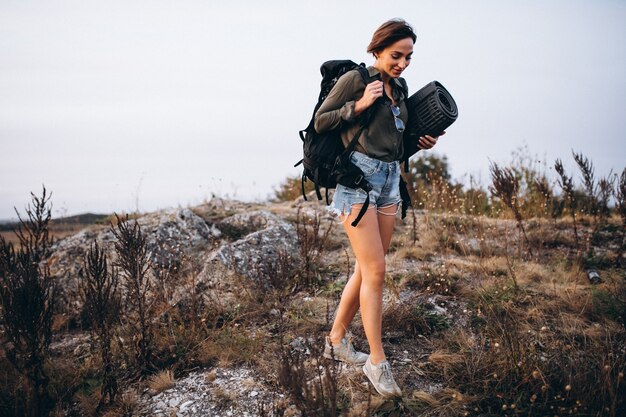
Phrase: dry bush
(588, 172)
(27, 296)
(505, 186)
(133, 262)
(127, 405)
(100, 299)
(161, 381)
(310, 380)
(313, 238)
(567, 185)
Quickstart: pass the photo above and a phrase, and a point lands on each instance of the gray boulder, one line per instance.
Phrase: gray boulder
(249, 256)
(176, 238)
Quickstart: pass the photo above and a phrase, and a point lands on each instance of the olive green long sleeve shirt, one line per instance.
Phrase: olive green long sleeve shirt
(380, 139)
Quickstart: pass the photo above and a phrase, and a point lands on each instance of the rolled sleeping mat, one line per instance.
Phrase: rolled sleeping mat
(431, 111)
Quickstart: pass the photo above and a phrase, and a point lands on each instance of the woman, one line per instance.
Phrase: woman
(377, 154)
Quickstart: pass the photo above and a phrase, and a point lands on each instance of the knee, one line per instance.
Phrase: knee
(374, 273)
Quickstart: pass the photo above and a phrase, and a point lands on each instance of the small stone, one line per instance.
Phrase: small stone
(253, 394)
(174, 402)
(185, 405)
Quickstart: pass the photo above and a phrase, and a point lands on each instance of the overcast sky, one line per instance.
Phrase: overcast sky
(125, 105)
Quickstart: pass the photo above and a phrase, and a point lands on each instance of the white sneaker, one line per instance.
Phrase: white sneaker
(344, 352)
(381, 378)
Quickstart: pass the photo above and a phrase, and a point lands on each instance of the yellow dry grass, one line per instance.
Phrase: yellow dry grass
(161, 381)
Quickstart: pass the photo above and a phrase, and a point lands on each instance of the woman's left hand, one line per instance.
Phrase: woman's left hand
(427, 142)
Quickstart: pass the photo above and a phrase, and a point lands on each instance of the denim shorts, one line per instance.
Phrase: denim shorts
(384, 178)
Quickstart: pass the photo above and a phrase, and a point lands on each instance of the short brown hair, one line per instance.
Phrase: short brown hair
(389, 33)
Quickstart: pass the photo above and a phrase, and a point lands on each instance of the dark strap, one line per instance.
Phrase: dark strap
(299, 162)
(362, 211)
(327, 202)
(406, 198)
(316, 180)
(354, 140)
(302, 180)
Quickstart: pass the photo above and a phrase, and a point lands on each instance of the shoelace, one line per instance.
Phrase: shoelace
(387, 372)
(350, 347)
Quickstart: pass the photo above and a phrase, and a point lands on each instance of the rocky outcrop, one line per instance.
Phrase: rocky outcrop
(173, 237)
(249, 256)
(227, 248)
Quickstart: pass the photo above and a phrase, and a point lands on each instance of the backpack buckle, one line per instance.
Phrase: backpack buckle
(357, 180)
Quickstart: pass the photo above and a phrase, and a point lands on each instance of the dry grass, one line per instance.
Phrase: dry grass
(88, 403)
(412, 253)
(426, 398)
(473, 324)
(127, 405)
(161, 381)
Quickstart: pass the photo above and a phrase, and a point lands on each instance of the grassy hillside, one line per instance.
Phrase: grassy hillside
(509, 301)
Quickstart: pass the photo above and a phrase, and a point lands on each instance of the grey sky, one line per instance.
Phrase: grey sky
(121, 105)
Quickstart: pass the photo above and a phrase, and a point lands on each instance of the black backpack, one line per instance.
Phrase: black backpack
(326, 162)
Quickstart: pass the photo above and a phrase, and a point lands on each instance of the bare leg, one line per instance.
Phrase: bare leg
(369, 240)
(349, 304)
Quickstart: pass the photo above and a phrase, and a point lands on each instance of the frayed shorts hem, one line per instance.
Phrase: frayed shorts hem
(345, 211)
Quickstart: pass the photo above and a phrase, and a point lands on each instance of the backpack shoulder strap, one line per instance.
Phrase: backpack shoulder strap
(405, 87)
(365, 76)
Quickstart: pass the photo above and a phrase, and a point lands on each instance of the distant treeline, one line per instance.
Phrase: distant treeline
(79, 219)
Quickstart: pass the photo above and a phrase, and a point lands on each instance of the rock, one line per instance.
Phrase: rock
(185, 406)
(251, 255)
(175, 239)
(196, 396)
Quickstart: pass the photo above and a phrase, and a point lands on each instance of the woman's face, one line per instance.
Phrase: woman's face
(395, 58)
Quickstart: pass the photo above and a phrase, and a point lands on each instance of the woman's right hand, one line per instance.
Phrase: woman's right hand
(372, 92)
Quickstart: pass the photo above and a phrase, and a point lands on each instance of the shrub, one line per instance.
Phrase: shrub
(99, 292)
(27, 296)
(506, 188)
(316, 396)
(134, 263)
(312, 242)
